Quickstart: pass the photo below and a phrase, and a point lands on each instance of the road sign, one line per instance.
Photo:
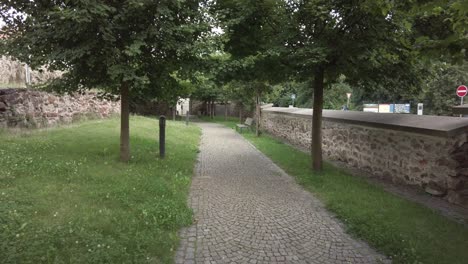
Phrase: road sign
(462, 91)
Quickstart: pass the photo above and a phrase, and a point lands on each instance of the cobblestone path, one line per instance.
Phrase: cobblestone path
(248, 210)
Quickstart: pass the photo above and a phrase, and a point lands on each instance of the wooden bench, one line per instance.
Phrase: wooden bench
(247, 124)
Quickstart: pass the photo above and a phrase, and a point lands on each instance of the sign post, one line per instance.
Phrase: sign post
(347, 102)
(420, 108)
(162, 137)
(462, 91)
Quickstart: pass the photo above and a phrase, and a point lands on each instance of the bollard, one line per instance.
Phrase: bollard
(162, 136)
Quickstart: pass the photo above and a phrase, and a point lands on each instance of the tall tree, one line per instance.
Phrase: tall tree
(121, 47)
(367, 41)
(254, 43)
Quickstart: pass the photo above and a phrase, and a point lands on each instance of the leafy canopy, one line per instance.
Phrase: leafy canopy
(102, 44)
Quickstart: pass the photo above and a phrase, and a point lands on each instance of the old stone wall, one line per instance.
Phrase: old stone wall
(416, 155)
(33, 108)
(13, 74)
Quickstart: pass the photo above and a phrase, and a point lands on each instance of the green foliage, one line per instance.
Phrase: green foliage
(65, 198)
(441, 29)
(368, 42)
(102, 44)
(364, 40)
(281, 94)
(252, 30)
(403, 230)
(438, 93)
(202, 86)
(335, 95)
(242, 94)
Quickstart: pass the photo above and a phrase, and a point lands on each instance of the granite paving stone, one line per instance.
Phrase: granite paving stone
(248, 210)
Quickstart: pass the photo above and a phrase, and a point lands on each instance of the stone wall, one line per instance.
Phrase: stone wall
(13, 74)
(430, 152)
(32, 108)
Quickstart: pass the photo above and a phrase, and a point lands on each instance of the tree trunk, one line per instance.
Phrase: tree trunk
(190, 105)
(317, 120)
(240, 114)
(257, 109)
(212, 109)
(124, 123)
(208, 108)
(174, 109)
(225, 110)
(187, 114)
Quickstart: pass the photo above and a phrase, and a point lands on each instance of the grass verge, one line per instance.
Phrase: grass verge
(403, 230)
(65, 197)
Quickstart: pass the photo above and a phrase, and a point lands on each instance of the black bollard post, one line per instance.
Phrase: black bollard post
(162, 136)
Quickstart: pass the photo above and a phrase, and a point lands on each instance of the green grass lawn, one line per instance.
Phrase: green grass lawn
(65, 197)
(406, 231)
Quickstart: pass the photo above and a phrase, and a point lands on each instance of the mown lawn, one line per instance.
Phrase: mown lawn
(65, 197)
(406, 231)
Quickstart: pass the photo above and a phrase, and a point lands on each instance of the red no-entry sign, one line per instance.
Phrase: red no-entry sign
(462, 91)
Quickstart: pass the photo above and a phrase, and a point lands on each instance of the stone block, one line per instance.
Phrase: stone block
(51, 99)
(456, 183)
(435, 188)
(458, 198)
(460, 157)
(3, 107)
(463, 172)
(31, 108)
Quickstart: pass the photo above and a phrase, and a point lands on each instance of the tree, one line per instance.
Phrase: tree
(438, 92)
(204, 89)
(128, 47)
(335, 96)
(253, 44)
(319, 40)
(366, 41)
(226, 93)
(242, 95)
